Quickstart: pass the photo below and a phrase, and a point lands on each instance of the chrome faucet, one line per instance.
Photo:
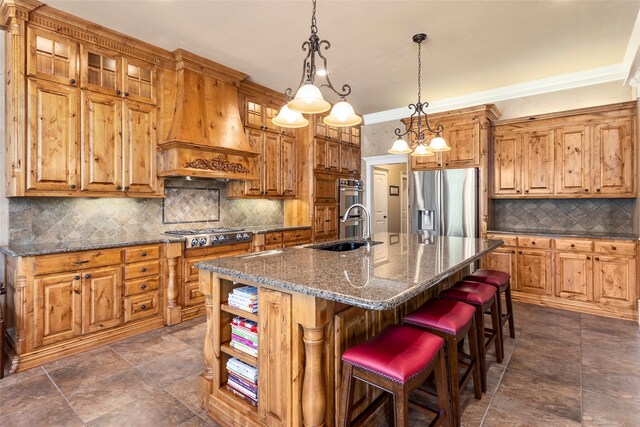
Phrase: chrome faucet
(366, 230)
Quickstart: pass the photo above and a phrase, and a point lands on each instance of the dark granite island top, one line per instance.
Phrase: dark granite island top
(392, 272)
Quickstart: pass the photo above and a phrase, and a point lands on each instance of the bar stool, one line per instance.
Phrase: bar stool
(452, 321)
(502, 281)
(398, 360)
(483, 297)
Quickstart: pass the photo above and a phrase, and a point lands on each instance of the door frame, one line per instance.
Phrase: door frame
(385, 172)
(369, 163)
(404, 200)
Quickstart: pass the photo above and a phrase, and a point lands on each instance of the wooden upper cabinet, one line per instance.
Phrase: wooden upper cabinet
(464, 140)
(538, 171)
(288, 165)
(270, 111)
(615, 282)
(355, 135)
(345, 135)
(271, 165)
(258, 114)
(52, 57)
(613, 158)
(139, 147)
(58, 308)
(346, 163)
(574, 276)
(101, 70)
(507, 164)
(101, 299)
(426, 163)
(333, 156)
(52, 136)
(101, 147)
(139, 79)
(255, 138)
(573, 160)
(319, 154)
(326, 190)
(321, 130)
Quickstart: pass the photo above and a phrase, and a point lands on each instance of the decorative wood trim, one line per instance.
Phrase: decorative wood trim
(619, 109)
(217, 164)
(190, 61)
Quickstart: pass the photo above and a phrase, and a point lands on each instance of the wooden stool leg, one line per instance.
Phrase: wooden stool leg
(346, 397)
(512, 325)
(444, 400)
(482, 352)
(401, 398)
(499, 305)
(475, 358)
(454, 381)
(496, 324)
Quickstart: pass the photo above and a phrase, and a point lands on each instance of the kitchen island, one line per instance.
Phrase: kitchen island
(313, 304)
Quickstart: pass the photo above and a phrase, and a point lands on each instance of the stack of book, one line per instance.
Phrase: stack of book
(243, 380)
(245, 298)
(244, 335)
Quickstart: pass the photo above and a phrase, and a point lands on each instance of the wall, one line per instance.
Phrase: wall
(56, 219)
(393, 202)
(564, 215)
(378, 137)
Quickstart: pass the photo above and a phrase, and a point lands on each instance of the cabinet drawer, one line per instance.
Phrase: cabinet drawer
(192, 294)
(74, 261)
(141, 306)
(534, 242)
(509, 240)
(134, 287)
(574, 245)
(144, 253)
(615, 248)
(272, 238)
(296, 235)
(141, 269)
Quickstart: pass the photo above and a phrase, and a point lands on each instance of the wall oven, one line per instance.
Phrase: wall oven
(350, 192)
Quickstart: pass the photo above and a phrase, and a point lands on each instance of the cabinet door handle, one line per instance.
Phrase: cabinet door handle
(533, 243)
(520, 252)
(143, 307)
(126, 188)
(87, 276)
(143, 269)
(143, 254)
(526, 191)
(77, 291)
(76, 277)
(72, 81)
(72, 186)
(513, 252)
(81, 262)
(588, 258)
(613, 247)
(118, 92)
(597, 190)
(143, 286)
(597, 259)
(126, 94)
(118, 187)
(586, 190)
(573, 246)
(518, 191)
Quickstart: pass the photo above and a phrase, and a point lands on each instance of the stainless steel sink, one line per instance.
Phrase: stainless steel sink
(342, 246)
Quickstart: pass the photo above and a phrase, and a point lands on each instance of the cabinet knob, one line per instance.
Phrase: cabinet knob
(143, 254)
(597, 190)
(439, 164)
(613, 247)
(533, 243)
(118, 187)
(118, 92)
(143, 286)
(518, 191)
(126, 94)
(87, 276)
(520, 252)
(143, 307)
(72, 81)
(143, 269)
(573, 246)
(597, 259)
(76, 277)
(588, 258)
(72, 186)
(586, 190)
(446, 164)
(513, 252)
(126, 188)
(77, 291)
(526, 191)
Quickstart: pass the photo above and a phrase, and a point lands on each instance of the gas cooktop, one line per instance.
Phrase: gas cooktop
(217, 236)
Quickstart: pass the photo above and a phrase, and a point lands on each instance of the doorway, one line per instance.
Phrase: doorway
(380, 202)
(387, 190)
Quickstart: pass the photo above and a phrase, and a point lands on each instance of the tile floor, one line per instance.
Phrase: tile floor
(563, 369)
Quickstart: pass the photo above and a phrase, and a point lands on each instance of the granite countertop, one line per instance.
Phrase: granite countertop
(580, 234)
(383, 278)
(263, 229)
(36, 248)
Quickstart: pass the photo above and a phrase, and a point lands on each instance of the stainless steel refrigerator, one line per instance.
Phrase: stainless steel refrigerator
(445, 203)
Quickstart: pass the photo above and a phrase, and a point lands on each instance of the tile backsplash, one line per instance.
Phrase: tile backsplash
(46, 219)
(562, 215)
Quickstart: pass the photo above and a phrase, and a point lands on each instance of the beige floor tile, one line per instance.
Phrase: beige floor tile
(27, 394)
(10, 379)
(604, 411)
(193, 335)
(143, 348)
(505, 412)
(623, 384)
(176, 366)
(186, 391)
(54, 412)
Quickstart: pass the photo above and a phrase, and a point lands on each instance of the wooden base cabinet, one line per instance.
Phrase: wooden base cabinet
(62, 304)
(591, 276)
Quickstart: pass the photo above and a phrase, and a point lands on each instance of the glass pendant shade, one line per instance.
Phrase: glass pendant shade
(308, 100)
(422, 151)
(400, 146)
(342, 115)
(438, 144)
(289, 119)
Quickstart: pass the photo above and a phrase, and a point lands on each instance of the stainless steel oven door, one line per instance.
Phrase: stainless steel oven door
(348, 197)
(352, 228)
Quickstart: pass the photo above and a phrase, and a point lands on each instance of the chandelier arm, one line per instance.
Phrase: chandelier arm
(306, 74)
(438, 129)
(346, 89)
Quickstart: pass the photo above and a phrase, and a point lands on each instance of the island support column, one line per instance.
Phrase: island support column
(173, 311)
(313, 342)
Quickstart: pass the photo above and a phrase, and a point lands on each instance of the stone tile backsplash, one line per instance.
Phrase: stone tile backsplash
(564, 215)
(45, 219)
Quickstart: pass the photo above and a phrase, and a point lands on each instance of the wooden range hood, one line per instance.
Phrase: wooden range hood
(206, 137)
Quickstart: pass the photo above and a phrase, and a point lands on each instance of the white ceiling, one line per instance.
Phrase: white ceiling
(473, 45)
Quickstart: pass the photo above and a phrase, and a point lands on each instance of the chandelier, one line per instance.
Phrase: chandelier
(308, 98)
(418, 144)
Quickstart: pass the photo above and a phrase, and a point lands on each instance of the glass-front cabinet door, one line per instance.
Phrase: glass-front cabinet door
(101, 70)
(139, 80)
(52, 57)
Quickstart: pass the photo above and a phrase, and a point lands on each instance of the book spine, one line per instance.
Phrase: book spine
(247, 335)
(242, 300)
(237, 338)
(243, 307)
(245, 323)
(246, 290)
(242, 396)
(246, 371)
(242, 390)
(244, 348)
(246, 384)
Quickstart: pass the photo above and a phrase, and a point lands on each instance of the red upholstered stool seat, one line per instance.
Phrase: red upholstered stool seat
(490, 277)
(398, 353)
(448, 316)
(471, 292)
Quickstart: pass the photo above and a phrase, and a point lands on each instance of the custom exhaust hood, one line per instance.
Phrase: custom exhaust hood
(206, 136)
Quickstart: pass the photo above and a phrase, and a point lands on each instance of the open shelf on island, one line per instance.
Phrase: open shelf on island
(238, 312)
(229, 395)
(246, 358)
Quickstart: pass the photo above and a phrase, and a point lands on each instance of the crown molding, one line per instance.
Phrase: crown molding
(631, 59)
(536, 87)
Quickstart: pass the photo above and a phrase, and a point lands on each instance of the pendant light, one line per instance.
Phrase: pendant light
(308, 98)
(289, 119)
(417, 144)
